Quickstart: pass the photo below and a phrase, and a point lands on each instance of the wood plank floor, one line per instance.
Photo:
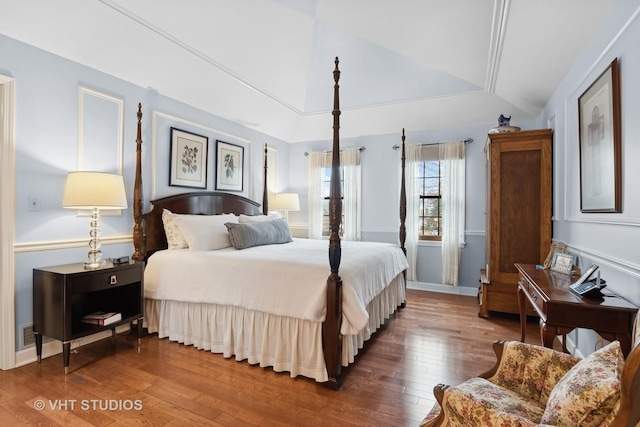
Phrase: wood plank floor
(437, 338)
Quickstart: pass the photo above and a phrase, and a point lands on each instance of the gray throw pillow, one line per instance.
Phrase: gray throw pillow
(250, 234)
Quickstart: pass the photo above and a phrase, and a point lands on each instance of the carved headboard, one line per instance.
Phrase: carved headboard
(196, 203)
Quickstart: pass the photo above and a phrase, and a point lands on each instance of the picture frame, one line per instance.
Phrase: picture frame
(556, 247)
(188, 164)
(229, 166)
(562, 263)
(600, 144)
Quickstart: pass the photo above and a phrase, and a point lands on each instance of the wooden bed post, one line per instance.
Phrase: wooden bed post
(403, 201)
(331, 337)
(138, 238)
(265, 190)
(403, 211)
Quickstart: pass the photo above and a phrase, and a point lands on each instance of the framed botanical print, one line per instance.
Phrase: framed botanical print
(188, 166)
(229, 166)
(600, 145)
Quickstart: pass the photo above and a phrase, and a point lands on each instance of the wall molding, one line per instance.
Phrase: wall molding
(632, 222)
(84, 92)
(53, 347)
(572, 94)
(155, 115)
(51, 245)
(443, 289)
(627, 267)
(7, 221)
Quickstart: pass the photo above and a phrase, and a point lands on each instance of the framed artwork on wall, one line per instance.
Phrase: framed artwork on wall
(600, 145)
(229, 166)
(188, 165)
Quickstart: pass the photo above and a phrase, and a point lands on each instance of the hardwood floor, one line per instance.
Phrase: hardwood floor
(437, 338)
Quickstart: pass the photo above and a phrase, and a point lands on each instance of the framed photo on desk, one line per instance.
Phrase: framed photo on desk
(562, 263)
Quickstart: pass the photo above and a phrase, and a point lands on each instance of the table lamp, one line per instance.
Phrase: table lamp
(95, 191)
(285, 202)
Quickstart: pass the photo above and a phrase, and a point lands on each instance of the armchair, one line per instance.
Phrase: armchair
(532, 385)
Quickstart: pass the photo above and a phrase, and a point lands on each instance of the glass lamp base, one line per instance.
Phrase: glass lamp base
(95, 264)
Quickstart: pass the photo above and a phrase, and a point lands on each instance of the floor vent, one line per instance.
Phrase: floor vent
(28, 340)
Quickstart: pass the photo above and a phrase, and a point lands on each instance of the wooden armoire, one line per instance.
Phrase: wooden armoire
(518, 213)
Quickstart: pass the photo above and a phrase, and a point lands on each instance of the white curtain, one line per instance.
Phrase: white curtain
(412, 153)
(317, 162)
(350, 161)
(452, 189)
(351, 206)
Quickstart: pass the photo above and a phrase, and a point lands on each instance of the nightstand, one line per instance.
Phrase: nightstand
(64, 294)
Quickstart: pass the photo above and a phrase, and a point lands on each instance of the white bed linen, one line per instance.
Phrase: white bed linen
(286, 344)
(287, 280)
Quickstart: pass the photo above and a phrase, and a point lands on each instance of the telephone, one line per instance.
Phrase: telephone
(588, 288)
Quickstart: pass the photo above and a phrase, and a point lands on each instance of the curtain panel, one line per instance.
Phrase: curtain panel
(351, 197)
(451, 155)
(452, 187)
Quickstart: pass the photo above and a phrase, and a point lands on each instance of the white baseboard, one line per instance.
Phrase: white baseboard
(444, 289)
(53, 347)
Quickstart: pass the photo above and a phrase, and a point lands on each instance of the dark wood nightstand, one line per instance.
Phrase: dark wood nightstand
(64, 294)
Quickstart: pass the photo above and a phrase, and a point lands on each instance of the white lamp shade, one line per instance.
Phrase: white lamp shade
(285, 202)
(88, 190)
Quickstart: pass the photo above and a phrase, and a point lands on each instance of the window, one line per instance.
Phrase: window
(319, 189)
(326, 191)
(429, 181)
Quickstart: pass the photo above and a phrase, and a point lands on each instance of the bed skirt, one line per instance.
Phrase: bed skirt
(284, 343)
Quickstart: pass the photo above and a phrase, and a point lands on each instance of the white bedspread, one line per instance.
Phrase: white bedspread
(285, 280)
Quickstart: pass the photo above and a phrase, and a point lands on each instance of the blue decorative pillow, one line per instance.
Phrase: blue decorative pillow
(250, 234)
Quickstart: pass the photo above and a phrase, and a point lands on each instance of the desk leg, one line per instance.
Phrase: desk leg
(38, 346)
(625, 341)
(547, 334)
(140, 322)
(66, 353)
(523, 313)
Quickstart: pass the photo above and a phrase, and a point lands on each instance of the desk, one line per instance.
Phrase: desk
(561, 311)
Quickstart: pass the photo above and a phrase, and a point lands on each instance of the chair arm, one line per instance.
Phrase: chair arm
(629, 413)
(498, 348)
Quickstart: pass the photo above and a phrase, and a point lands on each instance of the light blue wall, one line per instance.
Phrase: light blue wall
(609, 240)
(47, 126)
(47, 98)
(380, 193)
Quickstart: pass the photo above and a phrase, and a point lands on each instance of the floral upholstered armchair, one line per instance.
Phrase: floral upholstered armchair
(532, 386)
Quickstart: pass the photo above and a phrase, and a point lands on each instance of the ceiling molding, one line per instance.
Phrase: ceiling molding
(498, 32)
(195, 52)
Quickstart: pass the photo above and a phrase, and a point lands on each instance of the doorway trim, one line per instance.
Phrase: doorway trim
(7, 222)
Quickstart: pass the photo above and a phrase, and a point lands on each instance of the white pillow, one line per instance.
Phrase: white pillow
(243, 219)
(206, 232)
(175, 237)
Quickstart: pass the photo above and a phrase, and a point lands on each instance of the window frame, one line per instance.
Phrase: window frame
(422, 198)
(327, 232)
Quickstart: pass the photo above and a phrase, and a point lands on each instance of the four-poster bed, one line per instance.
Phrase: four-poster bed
(317, 345)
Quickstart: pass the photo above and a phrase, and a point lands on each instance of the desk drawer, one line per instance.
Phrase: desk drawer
(535, 298)
(105, 280)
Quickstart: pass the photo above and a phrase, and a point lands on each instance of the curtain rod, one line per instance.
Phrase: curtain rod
(306, 153)
(466, 141)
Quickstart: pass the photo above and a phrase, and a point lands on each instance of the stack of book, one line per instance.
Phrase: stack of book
(102, 318)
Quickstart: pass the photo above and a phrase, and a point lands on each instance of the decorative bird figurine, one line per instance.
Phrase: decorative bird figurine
(503, 121)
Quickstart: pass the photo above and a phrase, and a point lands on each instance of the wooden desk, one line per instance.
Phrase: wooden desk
(561, 311)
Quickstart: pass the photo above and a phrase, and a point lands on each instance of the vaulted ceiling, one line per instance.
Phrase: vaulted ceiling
(267, 64)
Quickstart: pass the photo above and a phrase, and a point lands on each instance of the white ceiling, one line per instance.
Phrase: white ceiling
(267, 64)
